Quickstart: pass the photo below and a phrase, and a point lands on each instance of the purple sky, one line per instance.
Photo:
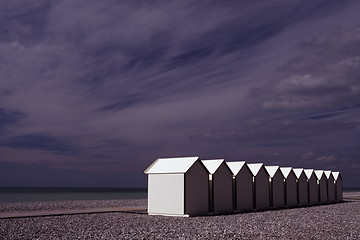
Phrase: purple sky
(91, 92)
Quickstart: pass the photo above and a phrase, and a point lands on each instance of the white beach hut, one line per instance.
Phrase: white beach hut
(290, 186)
(260, 186)
(220, 186)
(277, 190)
(242, 186)
(322, 182)
(302, 186)
(338, 186)
(330, 186)
(177, 187)
(313, 188)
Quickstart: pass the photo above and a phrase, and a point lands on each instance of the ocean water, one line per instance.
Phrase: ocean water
(351, 190)
(8, 195)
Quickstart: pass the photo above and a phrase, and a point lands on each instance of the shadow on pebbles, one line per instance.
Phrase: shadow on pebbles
(334, 221)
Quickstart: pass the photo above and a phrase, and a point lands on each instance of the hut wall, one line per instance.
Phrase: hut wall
(323, 190)
(222, 186)
(331, 189)
(339, 190)
(291, 190)
(262, 192)
(313, 190)
(277, 190)
(196, 190)
(303, 190)
(167, 194)
(244, 190)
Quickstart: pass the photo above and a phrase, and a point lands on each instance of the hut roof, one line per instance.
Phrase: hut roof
(212, 165)
(327, 174)
(272, 170)
(285, 171)
(235, 167)
(255, 168)
(298, 171)
(336, 175)
(171, 165)
(308, 172)
(319, 174)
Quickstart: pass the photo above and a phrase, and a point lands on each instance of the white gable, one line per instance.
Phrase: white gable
(336, 175)
(285, 171)
(272, 170)
(255, 167)
(298, 171)
(212, 165)
(171, 165)
(319, 173)
(327, 174)
(308, 172)
(235, 167)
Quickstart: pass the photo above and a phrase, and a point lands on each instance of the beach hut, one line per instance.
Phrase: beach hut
(338, 186)
(277, 190)
(290, 186)
(313, 188)
(220, 186)
(330, 186)
(177, 187)
(322, 182)
(260, 186)
(302, 186)
(242, 186)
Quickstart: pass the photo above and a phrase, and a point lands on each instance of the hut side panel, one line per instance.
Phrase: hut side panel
(222, 185)
(313, 190)
(277, 190)
(291, 190)
(196, 187)
(331, 189)
(323, 189)
(261, 184)
(244, 190)
(167, 194)
(302, 190)
(339, 190)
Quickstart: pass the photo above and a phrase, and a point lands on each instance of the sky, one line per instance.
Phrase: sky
(92, 92)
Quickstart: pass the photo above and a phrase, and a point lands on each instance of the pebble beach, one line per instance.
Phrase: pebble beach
(333, 221)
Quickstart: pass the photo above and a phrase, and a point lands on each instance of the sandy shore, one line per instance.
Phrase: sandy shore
(335, 221)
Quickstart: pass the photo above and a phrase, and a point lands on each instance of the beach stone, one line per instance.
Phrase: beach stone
(333, 221)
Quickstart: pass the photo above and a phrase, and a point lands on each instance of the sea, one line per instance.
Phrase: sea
(29, 194)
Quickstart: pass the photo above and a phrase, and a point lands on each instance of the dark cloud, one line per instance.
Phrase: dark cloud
(9, 117)
(323, 116)
(326, 77)
(23, 21)
(263, 131)
(37, 142)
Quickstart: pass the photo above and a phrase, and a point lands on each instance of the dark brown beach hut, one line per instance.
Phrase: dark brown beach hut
(290, 186)
(313, 187)
(302, 186)
(322, 182)
(330, 186)
(242, 186)
(277, 186)
(220, 186)
(260, 186)
(338, 186)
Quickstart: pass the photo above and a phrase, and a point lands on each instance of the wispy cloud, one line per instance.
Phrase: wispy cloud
(104, 85)
(325, 76)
